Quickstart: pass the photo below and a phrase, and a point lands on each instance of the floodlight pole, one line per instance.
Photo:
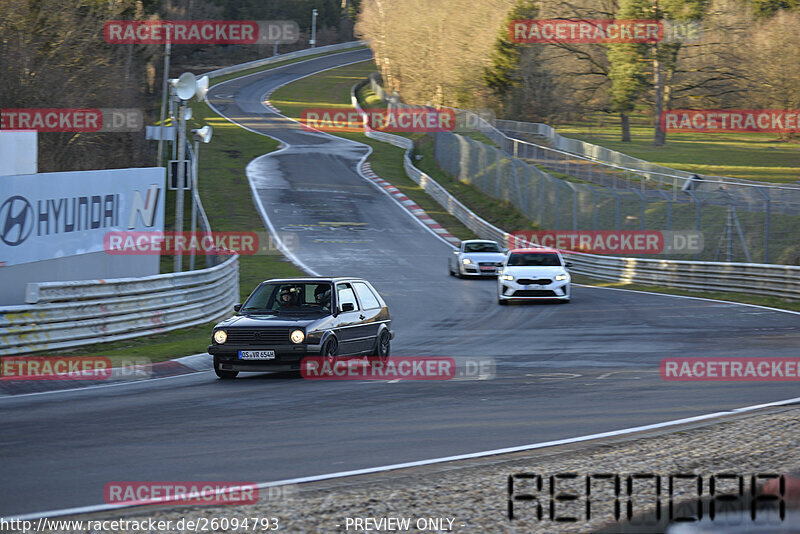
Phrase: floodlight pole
(173, 119)
(164, 98)
(195, 192)
(178, 266)
(313, 41)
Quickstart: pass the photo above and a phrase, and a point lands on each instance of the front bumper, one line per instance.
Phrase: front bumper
(287, 357)
(511, 290)
(473, 269)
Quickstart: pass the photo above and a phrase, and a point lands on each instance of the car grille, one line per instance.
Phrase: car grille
(261, 336)
(540, 281)
(489, 264)
(534, 293)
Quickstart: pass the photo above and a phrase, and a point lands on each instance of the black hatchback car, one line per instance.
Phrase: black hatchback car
(284, 320)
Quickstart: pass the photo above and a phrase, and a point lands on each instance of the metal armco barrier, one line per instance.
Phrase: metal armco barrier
(70, 314)
(283, 57)
(755, 278)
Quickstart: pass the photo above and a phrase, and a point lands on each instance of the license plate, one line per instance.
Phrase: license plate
(256, 354)
(487, 268)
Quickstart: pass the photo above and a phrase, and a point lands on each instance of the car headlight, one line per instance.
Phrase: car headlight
(506, 277)
(561, 277)
(297, 336)
(466, 261)
(220, 336)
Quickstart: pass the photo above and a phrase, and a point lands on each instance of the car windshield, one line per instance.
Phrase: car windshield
(481, 247)
(534, 259)
(289, 297)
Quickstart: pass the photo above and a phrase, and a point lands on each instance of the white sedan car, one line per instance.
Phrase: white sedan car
(476, 257)
(534, 274)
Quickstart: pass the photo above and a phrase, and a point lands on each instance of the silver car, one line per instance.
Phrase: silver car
(476, 257)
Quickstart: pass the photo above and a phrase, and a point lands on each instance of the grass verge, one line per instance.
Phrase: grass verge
(749, 156)
(746, 298)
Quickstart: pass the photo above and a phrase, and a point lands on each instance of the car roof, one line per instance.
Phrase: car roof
(313, 279)
(541, 250)
(479, 241)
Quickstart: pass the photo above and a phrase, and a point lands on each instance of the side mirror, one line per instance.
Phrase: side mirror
(237, 307)
(348, 306)
(568, 264)
(505, 251)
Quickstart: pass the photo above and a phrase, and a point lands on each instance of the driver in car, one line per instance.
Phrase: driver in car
(323, 296)
(288, 298)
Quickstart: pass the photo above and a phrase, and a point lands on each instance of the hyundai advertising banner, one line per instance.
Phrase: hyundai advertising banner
(61, 214)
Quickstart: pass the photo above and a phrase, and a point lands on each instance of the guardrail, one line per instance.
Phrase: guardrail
(754, 278)
(475, 223)
(70, 314)
(283, 57)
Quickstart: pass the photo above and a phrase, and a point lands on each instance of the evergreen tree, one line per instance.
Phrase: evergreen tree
(627, 66)
(503, 73)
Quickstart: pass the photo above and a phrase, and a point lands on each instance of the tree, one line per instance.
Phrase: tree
(627, 67)
(665, 55)
(503, 74)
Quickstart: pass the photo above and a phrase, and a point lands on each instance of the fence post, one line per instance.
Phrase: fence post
(767, 209)
(644, 205)
(555, 227)
(699, 208)
(669, 215)
(541, 200)
(574, 205)
(619, 208)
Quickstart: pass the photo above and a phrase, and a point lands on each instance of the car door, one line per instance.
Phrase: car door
(348, 322)
(370, 314)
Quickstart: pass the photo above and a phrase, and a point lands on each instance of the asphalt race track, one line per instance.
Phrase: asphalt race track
(562, 370)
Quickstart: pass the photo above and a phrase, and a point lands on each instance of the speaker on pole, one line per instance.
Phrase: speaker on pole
(204, 133)
(186, 86)
(201, 88)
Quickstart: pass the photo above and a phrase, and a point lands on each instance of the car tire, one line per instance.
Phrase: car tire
(567, 301)
(329, 350)
(450, 269)
(502, 302)
(383, 347)
(224, 375)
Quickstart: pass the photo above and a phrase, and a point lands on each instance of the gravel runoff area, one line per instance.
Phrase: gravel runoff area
(474, 493)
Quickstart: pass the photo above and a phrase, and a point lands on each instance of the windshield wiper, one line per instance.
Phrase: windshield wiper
(260, 310)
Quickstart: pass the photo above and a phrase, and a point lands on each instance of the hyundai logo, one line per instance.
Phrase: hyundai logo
(17, 218)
